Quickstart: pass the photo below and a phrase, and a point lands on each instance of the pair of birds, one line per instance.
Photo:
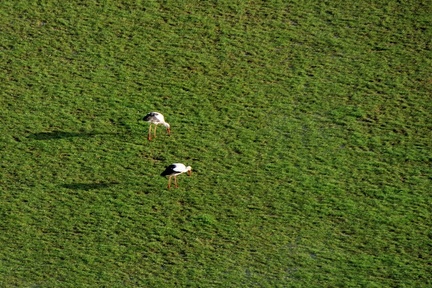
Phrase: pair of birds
(174, 169)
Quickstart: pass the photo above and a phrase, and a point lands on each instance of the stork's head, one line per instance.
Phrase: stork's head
(168, 128)
(189, 170)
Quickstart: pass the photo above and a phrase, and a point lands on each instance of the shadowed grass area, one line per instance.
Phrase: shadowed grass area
(307, 126)
(88, 186)
(62, 134)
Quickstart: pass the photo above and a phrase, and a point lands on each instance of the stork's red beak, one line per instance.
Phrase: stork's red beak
(169, 131)
(190, 172)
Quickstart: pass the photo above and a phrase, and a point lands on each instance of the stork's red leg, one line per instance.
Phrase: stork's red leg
(169, 182)
(149, 133)
(175, 179)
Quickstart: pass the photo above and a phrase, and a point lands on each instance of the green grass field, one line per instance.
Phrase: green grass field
(307, 125)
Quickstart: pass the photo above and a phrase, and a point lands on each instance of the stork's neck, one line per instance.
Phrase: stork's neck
(166, 124)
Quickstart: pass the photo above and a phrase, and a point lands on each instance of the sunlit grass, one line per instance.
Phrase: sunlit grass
(307, 126)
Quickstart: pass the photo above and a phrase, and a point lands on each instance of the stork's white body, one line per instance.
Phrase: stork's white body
(156, 118)
(176, 169)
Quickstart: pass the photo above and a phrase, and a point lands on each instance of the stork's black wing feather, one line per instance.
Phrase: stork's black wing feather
(169, 170)
(149, 116)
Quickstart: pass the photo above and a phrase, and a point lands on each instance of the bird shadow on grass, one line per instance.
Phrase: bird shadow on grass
(63, 134)
(89, 186)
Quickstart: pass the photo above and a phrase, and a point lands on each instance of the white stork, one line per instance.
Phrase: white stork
(174, 170)
(156, 118)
